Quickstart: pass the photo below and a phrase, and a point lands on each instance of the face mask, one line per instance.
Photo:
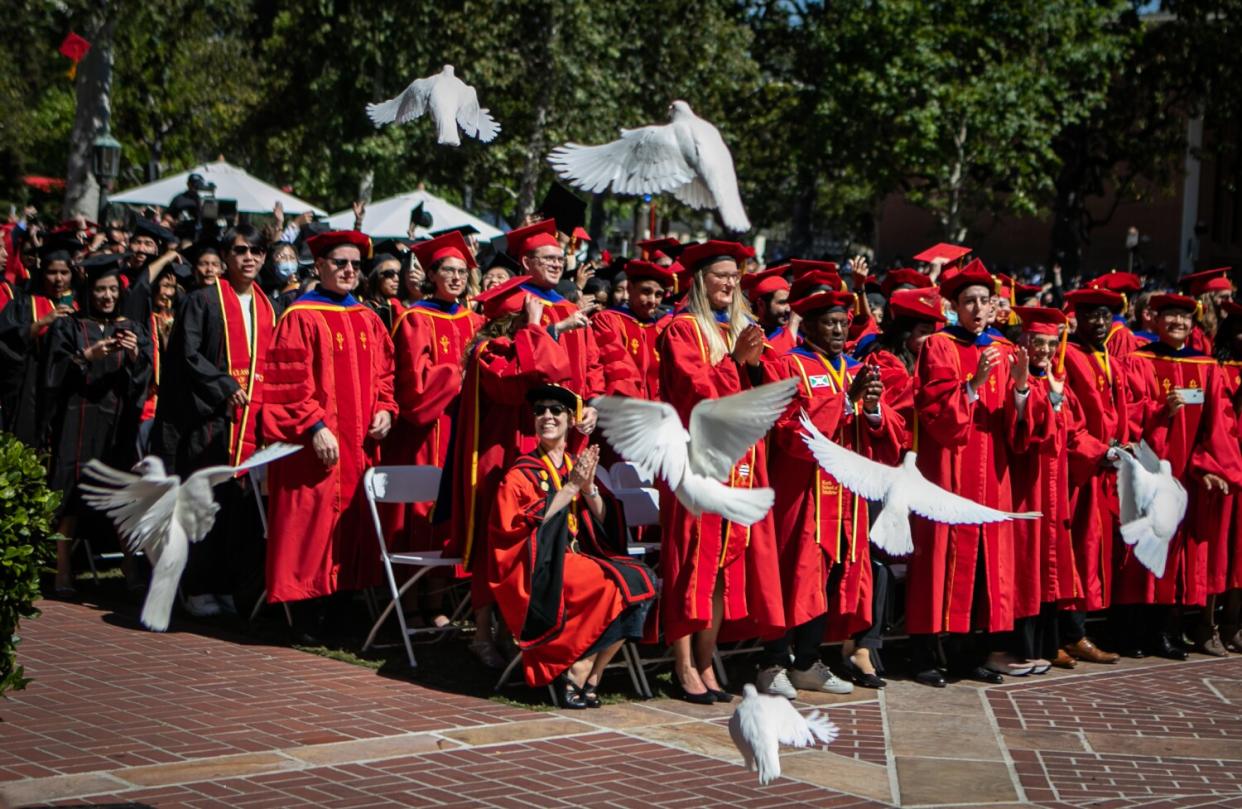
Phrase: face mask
(951, 317)
(286, 269)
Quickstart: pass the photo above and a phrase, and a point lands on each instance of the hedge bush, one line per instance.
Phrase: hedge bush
(27, 545)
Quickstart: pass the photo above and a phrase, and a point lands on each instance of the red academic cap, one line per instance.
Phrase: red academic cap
(973, 274)
(828, 299)
(1127, 283)
(1085, 298)
(1041, 319)
(321, 244)
(801, 266)
(503, 299)
(699, 255)
(765, 282)
(639, 270)
(1026, 290)
(1168, 300)
(654, 248)
(942, 252)
(920, 303)
(808, 283)
(1208, 281)
(523, 240)
(904, 277)
(581, 235)
(1004, 286)
(446, 245)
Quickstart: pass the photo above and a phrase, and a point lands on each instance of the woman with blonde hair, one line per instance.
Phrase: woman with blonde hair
(717, 574)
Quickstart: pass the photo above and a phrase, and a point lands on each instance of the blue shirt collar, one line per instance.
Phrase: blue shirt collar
(548, 295)
(1161, 349)
(447, 307)
(722, 315)
(962, 333)
(318, 295)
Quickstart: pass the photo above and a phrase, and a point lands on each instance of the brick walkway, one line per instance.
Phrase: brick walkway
(121, 716)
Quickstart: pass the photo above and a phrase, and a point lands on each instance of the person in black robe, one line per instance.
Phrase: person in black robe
(94, 376)
(24, 323)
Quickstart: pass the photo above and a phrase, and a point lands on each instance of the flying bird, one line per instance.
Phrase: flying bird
(902, 489)
(693, 464)
(686, 156)
(157, 514)
(1153, 503)
(762, 723)
(452, 102)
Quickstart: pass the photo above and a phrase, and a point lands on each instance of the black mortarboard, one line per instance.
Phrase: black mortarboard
(161, 234)
(421, 218)
(502, 259)
(393, 247)
(464, 230)
(565, 207)
(196, 250)
(180, 270)
(64, 246)
(102, 265)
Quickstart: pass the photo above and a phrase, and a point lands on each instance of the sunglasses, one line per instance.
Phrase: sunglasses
(252, 249)
(342, 263)
(388, 275)
(553, 408)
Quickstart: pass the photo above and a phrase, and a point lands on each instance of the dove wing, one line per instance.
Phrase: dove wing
(473, 119)
(647, 160)
(1148, 457)
(790, 726)
(407, 106)
(1128, 470)
(722, 430)
(696, 194)
(862, 476)
(736, 504)
(140, 508)
(719, 177)
(647, 434)
(928, 500)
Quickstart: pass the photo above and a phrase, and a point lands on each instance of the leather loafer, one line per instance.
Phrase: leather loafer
(931, 677)
(1063, 660)
(1084, 649)
(861, 677)
(1164, 647)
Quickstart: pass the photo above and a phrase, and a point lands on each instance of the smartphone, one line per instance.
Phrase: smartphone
(1191, 395)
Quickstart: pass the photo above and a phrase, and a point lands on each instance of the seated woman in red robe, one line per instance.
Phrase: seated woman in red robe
(557, 563)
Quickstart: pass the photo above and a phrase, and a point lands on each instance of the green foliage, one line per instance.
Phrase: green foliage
(27, 544)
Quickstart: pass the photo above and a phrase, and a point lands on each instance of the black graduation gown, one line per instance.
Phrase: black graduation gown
(20, 359)
(192, 418)
(93, 407)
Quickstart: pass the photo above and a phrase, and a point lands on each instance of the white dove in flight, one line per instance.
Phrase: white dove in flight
(452, 102)
(687, 157)
(902, 489)
(693, 464)
(1153, 503)
(762, 723)
(157, 514)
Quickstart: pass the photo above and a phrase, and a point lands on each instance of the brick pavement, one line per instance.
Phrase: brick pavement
(121, 716)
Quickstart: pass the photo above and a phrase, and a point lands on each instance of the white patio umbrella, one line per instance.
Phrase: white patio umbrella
(390, 218)
(252, 194)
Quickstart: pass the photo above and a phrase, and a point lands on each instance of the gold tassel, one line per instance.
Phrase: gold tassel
(73, 71)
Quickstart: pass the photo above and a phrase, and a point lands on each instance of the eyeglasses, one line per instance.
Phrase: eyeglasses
(252, 249)
(726, 276)
(388, 275)
(452, 272)
(553, 260)
(553, 408)
(342, 263)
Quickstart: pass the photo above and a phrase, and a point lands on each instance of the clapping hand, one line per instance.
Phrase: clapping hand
(583, 475)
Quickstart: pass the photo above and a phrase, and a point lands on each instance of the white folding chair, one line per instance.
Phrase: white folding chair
(258, 482)
(403, 484)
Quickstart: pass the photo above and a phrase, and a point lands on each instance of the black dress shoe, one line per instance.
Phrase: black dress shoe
(932, 677)
(861, 677)
(1163, 646)
(1135, 652)
(569, 695)
(705, 698)
(589, 696)
(720, 696)
(982, 675)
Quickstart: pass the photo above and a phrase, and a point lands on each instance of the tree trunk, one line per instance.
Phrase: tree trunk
(93, 89)
(801, 232)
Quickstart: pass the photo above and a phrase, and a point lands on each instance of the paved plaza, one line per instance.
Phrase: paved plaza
(122, 717)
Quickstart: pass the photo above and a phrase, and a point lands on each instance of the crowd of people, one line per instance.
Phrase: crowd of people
(123, 340)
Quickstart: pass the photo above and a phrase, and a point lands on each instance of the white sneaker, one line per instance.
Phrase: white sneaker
(819, 678)
(203, 606)
(774, 681)
(226, 604)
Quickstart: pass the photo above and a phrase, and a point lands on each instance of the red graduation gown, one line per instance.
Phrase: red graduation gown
(329, 363)
(899, 385)
(1225, 552)
(494, 426)
(586, 376)
(619, 327)
(820, 523)
(1099, 382)
(962, 446)
(1199, 439)
(430, 341)
(556, 625)
(1120, 341)
(695, 550)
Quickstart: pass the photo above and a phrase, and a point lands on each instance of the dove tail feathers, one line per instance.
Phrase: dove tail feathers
(822, 728)
(1149, 549)
(891, 532)
(165, 579)
(447, 128)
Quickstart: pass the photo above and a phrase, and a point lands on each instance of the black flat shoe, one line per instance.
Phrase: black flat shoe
(861, 677)
(705, 698)
(931, 677)
(982, 675)
(720, 696)
(569, 695)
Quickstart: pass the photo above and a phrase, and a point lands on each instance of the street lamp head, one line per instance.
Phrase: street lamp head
(107, 156)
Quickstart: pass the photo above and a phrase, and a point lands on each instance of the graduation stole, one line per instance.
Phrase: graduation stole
(834, 380)
(572, 516)
(42, 306)
(241, 356)
(148, 407)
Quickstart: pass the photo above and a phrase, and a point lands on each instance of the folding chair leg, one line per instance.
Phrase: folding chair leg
(508, 672)
(395, 603)
(90, 556)
(718, 665)
(552, 696)
(258, 605)
(637, 671)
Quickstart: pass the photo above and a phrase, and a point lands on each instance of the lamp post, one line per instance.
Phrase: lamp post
(106, 163)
